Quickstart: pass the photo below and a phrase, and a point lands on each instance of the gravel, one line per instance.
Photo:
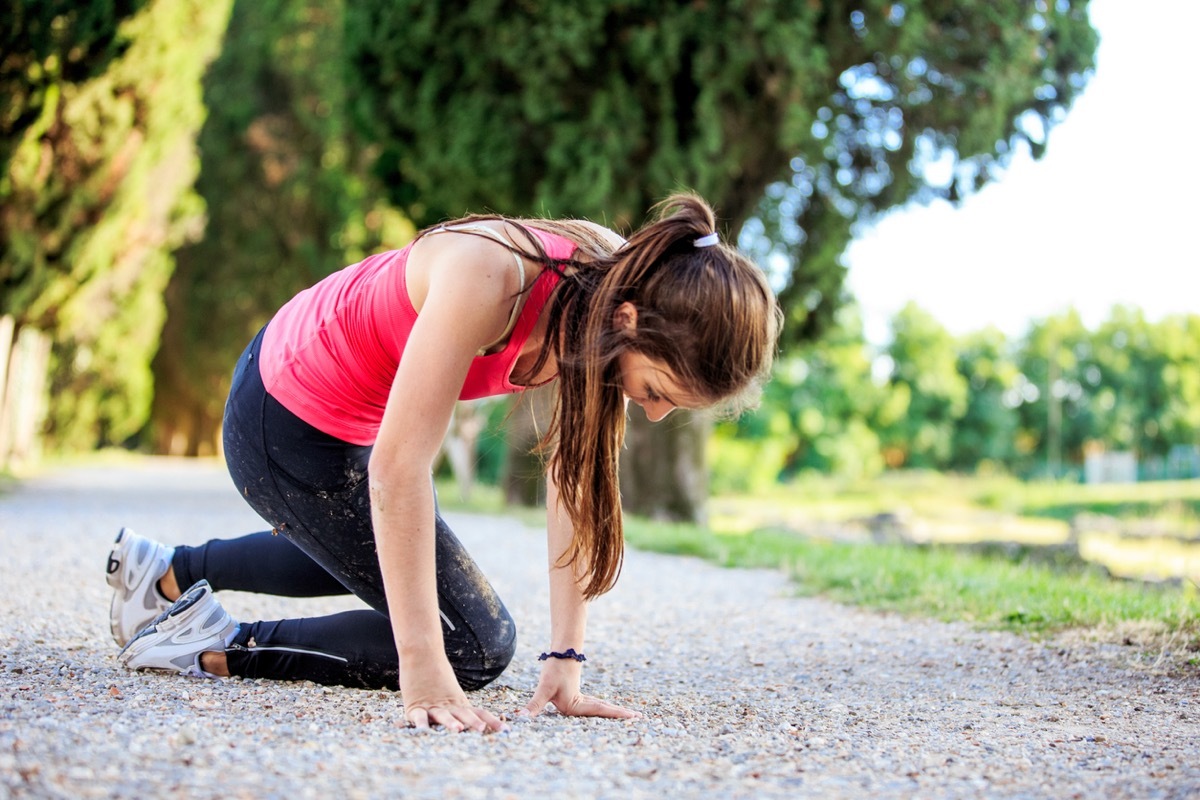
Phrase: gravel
(745, 690)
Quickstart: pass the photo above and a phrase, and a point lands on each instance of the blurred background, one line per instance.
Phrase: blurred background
(973, 212)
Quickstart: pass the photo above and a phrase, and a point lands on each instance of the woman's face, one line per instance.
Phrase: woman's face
(652, 385)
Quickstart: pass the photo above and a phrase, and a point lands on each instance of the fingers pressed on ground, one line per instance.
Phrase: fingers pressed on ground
(446, 718)
(490, 720)
(470, 719)
(594, 707)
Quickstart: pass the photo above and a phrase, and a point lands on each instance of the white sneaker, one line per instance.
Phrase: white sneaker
(134, 567)
(194, 624)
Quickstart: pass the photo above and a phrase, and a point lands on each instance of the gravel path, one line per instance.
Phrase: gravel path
(745, 690)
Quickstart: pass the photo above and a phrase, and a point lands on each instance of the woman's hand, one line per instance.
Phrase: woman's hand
(462, 288)
(559, 684)
(429, 699)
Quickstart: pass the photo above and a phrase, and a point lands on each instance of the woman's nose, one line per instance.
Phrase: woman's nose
(657, 410)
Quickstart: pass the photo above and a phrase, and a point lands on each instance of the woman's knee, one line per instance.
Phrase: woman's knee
(496, 646)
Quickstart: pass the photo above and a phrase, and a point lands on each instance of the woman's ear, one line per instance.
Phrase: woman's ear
(625, 317)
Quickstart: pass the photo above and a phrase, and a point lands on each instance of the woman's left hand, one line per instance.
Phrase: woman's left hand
(559, 684)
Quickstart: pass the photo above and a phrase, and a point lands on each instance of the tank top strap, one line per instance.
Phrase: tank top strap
(486, 231)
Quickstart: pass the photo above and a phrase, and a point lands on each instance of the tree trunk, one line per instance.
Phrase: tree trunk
(23, 384)
(663, 469)
(524, 475)
(459, 445)
(7, 325)
(663, 472)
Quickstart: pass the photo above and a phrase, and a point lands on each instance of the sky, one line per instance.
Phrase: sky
(1109, 215)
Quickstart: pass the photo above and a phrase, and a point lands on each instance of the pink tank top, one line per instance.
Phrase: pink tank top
(330, 354)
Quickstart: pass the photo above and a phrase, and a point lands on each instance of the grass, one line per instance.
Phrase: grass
(1001, 589)
(1159, 623)
(995, 591)
(1163, 518)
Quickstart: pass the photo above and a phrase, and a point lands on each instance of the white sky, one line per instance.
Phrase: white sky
(1108, 216)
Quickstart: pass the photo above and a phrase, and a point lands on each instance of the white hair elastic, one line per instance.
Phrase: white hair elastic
(707, 241)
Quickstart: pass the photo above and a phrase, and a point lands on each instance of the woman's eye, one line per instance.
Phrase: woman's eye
(650, 393)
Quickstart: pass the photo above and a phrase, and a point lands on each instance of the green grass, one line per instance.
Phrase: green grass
(989, 590)
(1005, 590)
(1000, 590)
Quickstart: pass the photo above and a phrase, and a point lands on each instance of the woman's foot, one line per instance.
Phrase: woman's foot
(177, 639)
(135, 566)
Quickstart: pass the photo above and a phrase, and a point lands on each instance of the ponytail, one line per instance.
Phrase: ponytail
(704, 310)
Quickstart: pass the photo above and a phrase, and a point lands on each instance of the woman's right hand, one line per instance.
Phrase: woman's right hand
(462, 288)
(432, 699)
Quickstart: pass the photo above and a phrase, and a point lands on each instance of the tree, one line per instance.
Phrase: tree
(598, 109)
(290, 199)
(925, 369)
(1056, 411)
(988, 427)
(49, 43)
(1178, 338)
(97, 194)
(1144, 381)
(894, 89)
(825, 404)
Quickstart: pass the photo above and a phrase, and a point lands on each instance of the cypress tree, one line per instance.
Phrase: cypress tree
(290, 199)
(97, 194)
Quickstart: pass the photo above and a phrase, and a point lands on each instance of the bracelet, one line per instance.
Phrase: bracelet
(569, 654)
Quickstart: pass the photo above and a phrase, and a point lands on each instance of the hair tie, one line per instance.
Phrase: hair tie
(707, 241)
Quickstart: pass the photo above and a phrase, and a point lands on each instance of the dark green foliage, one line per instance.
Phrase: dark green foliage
(288, 198)
(585, 108)
(46, 43)
(96, 196)
(600, 108)
(904, 85)
(1055, 412)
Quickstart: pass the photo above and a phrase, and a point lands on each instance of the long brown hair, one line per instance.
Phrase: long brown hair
(707, 313)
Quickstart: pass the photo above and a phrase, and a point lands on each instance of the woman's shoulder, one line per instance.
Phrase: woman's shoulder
(474, 266)
(608, 234)
(575, 238)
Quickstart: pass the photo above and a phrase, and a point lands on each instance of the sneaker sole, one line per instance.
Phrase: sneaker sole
(167, 622)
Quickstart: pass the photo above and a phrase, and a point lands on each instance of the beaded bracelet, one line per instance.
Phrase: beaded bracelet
(569, 654)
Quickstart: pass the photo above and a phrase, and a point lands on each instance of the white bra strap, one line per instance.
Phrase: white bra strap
(486, 231)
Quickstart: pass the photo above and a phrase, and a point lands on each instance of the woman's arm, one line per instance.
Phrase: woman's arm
(568, 610)
(466, 294)
(560, 678)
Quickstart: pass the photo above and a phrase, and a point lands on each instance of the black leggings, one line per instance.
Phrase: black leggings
(312, 489)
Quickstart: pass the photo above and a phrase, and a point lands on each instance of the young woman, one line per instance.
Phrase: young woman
(336, 414)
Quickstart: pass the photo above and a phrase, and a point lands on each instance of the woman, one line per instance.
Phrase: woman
(336, 414)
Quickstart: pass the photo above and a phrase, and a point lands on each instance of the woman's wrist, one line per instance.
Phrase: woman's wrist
(417, 651)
